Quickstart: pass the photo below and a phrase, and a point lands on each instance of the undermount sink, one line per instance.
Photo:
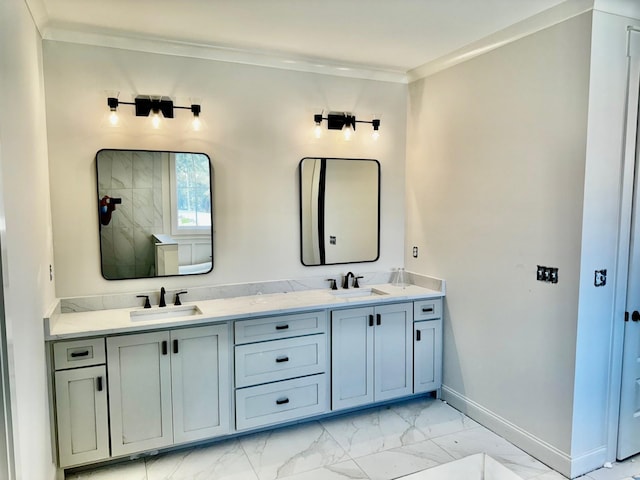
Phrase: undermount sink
(165, 312)
(358, 293)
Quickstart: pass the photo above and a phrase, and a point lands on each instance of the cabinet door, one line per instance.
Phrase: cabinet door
(427, 366)
(351, 357)
(139, 392)
(393, 349)
(200, 382)
(82, 419)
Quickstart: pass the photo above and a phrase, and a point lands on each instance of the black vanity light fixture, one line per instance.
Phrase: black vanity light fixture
(344, 121)
(155, 106)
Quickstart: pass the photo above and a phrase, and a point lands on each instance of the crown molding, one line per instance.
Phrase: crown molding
(38, 12)
(221, 54)
(542, 20)
(625, 8)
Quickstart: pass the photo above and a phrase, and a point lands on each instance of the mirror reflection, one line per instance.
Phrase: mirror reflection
(155, 215)
(339, 210)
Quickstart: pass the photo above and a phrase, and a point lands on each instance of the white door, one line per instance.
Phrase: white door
(629, 420)
(200, 382)
(427, 352)
(139, 392)
(393, 351)
(81, 412)
(351, 357)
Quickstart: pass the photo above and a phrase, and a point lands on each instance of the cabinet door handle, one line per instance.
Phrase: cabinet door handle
(175, 346)
(282, 401)
(418, 335)
(99, 383)
(378, 319)
(371, 320)
(282, 327)
(282, 359)
(164, 347)
(83, 353)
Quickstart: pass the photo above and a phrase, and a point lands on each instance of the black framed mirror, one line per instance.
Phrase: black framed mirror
(155, 213)
(339, 211)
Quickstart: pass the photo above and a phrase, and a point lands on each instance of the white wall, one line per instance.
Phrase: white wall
(25, 234)
(259, 124)
(495, 176)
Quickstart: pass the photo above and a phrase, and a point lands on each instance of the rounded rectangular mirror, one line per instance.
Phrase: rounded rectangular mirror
(154, 211)
(339, 211)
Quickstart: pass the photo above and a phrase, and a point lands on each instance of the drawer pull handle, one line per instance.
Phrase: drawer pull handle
(84, 353)
(282, 327)
(282, 359)
(427, 309)
(418, 336)
(99, 383)
(282, 401)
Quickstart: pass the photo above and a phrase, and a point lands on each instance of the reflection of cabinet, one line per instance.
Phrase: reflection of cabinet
(81, 401)
(372, 354)
(168, 387)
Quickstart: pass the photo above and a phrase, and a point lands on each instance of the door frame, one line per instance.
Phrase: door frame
(627, 181)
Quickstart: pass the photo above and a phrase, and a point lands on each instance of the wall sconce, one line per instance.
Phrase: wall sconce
(156, 107)
(343, 121)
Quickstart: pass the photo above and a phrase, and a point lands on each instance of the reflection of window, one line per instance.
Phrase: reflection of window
(191, 196)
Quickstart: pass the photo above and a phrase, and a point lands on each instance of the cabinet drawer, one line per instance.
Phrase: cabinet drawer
(280, 359)
(283, 326)
(78, 353)
(281, 401)
(426, 309)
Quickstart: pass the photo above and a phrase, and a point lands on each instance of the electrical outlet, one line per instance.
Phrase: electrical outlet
(332, 240)
(547, 274)
(600, 278)
(415, 252)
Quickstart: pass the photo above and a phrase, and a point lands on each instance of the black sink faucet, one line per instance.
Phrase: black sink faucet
(345, 281)
(162, 302)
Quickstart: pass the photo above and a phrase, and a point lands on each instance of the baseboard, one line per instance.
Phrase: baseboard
(589, 461)
(534, 446)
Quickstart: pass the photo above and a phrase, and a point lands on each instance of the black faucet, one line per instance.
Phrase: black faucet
(178, 302)
(345, 281)
(146, 300)
(162, 302)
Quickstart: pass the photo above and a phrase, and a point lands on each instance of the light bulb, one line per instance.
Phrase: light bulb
(196, 124)
(155, 120)
(113, 118)
(375, 135)
(348, 131)
(318, 131)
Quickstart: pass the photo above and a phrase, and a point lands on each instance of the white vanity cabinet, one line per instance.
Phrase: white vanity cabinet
(81, 401)
(372, 354)
(280, 368)
(172, 383)
(168, 387)
(427, 347)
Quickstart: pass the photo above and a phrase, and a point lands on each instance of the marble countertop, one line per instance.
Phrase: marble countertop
(61, 326)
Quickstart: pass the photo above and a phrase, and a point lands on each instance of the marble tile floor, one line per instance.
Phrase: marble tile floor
(380, 443)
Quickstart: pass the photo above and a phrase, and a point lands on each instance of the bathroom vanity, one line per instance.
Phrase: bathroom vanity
(132, 381)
